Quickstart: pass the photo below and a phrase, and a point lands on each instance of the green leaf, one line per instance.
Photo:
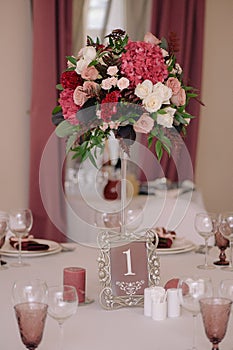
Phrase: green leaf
(59, 87)
(65, 129)
(161, 111)
(72, 59)
(70, 141)
(163, 44)
(93, 63)
(56, 109)
(92, 159)
(158, 149)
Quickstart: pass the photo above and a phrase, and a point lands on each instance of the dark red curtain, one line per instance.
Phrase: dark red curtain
(185, 18)
(52, 33)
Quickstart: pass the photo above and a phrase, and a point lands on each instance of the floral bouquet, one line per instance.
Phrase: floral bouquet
(122, 87)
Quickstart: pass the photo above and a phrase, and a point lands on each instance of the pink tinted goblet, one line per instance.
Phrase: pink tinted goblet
(31, 318)
(222, 243)
(215, 315)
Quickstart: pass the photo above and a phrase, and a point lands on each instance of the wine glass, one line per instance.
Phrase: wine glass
(4, 220)
(113, 220)
(222, 243)
(62, 304)
(206, 225)
(20, 224)
(226, 229)
(226, 288)
(215, 313)
(31, 290)
(190, 290)
(30, 306)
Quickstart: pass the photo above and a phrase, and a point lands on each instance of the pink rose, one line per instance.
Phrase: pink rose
(180, 98)
(108, 83)
(112, 70)
(91, 88)
(150, 38)
(174, 84)
(89, 73)
(123, 83)
(144, 124)
(79, 96)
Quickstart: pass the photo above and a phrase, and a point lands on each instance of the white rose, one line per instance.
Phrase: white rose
(89, 53)
(166, 119)
(163, 91)
(152, 102)
(81, 64)
(144, 89)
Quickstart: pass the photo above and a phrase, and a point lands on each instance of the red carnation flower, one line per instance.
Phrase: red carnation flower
(70, 80)
(109, 105)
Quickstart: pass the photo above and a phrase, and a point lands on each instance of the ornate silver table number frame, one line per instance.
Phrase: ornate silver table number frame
(126, 266)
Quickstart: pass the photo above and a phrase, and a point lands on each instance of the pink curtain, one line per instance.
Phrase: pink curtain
(186, 20)
(52, 30)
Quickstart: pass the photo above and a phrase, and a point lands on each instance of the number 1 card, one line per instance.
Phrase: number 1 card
(127, 265)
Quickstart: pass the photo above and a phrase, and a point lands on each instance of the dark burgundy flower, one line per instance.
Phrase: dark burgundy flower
(109, 105)
(70, 80)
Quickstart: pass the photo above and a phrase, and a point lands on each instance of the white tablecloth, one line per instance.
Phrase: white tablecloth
(169, 211)
(94, 328)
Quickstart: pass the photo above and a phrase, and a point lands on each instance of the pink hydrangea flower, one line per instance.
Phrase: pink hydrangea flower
(141, 61)
(69, 108)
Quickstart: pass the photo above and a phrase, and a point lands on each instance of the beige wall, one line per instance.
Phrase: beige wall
(15, 75)
(215, 148)
(214, 173)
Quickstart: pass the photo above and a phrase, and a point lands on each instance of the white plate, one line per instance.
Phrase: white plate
(54, 248)
(180, 245)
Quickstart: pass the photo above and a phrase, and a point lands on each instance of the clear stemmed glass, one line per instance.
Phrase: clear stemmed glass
(20, 224)
(62, 304)
(226, 289)
(30, 305)
(112, 220)
(4, 221)
(226, 229)
(190, 290)
(215, 315)
(206, 225)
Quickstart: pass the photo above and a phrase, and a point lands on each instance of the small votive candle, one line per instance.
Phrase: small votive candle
(76, 277)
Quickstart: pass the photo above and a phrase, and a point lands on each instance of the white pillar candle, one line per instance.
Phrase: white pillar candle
(173, 303)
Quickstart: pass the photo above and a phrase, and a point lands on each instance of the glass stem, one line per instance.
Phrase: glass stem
(194, 331)
(123, 157)
(20, 251)
(231, 253)
(206, 251)
(61, 335)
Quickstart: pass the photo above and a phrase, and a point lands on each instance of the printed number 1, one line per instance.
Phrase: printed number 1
(129, 266)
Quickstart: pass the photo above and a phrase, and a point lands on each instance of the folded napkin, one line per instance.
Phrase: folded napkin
(166, 238)
(29, 245)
